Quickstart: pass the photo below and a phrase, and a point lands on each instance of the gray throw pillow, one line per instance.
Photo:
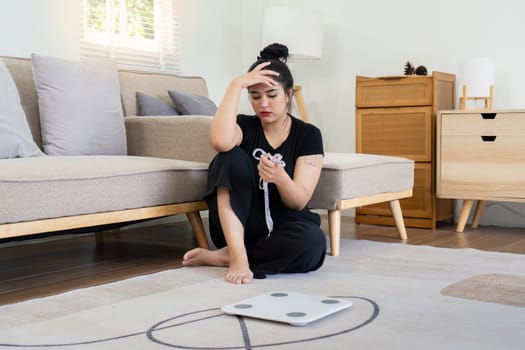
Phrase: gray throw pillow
(148, 105)
(188, 104)
(80, 106)
(15, 136)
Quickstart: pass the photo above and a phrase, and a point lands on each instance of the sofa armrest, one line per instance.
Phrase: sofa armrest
(175, 137)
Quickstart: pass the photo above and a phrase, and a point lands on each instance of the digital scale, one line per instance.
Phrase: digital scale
(293, 308)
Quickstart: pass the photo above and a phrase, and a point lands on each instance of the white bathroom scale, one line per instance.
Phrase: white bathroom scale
(293, 308)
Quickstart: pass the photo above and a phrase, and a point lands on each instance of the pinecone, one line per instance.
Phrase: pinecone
(421, 70)
(409, 69)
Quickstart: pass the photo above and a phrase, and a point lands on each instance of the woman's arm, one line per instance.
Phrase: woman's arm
(296, 192)
(224, 131)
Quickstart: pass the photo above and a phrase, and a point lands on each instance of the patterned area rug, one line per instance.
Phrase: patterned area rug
(396, 291)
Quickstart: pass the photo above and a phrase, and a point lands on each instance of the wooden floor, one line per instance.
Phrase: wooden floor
(46, 267)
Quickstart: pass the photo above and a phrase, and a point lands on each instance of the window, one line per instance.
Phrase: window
(137, 33)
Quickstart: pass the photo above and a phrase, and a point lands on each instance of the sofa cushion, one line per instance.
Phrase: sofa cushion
(15, 137)
(151, 106)
(22, 73)
(188, 104)
(80, 106)
(353, 175)
(92, 184)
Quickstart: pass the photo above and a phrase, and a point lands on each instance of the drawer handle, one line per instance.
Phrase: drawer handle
(488, 115)
(488, 138)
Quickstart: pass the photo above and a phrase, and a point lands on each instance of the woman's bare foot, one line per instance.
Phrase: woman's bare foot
(199, 256)
(239, 276)
(239, 271)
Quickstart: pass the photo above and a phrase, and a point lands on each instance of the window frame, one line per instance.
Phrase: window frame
(158, 53)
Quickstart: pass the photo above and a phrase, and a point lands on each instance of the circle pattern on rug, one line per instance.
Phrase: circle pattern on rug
(179, 331)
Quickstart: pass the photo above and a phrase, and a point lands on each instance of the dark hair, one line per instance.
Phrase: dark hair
(277, 54)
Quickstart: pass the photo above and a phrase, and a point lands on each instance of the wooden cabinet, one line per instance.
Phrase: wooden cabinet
(396, 116)
(480, 156)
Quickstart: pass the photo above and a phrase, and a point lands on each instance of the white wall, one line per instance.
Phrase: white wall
(47, 27)
(210, 41)
(219, 39)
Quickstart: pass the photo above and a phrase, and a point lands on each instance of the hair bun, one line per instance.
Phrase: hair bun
(274, 51)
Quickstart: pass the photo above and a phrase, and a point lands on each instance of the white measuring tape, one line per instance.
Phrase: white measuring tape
(263, 185)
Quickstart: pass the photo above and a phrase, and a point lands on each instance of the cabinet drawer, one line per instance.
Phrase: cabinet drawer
(392, 92)
(417, 206)
(483, 124)
(403, 132)
(472, 168)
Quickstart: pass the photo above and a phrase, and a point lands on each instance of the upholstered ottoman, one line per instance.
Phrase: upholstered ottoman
(350, 180)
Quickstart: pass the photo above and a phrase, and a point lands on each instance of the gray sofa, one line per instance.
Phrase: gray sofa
(163, 174)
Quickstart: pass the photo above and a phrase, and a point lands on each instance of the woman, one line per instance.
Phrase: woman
(257, 201)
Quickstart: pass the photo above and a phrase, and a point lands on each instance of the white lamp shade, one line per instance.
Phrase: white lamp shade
(478, 75)
(299, 29)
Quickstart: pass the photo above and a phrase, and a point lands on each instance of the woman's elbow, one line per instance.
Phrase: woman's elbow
(299, 205)
(221, 145)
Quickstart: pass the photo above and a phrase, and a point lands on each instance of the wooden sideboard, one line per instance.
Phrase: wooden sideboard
(396, 116)
(480, 156)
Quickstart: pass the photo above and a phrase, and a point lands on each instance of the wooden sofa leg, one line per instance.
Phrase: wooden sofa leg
(395, 208)
(198, 229)
(334, 228)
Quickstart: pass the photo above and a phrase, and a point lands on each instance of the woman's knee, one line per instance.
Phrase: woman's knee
(232, 168)
(236, 157)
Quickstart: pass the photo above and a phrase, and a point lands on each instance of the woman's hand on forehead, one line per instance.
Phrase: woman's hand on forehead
(259, 75)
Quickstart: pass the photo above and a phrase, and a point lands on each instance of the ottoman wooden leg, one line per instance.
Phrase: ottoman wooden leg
(395, 208)
(334, 226)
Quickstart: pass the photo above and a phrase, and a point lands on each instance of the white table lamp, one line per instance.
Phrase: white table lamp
(477, 82)
(301, 30)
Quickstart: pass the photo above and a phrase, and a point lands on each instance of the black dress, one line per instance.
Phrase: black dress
(297, 243)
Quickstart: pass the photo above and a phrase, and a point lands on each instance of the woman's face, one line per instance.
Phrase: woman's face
(270, 103)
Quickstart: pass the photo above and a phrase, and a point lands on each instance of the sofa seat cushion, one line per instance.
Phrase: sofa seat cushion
(52, 187)
(354, 175)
